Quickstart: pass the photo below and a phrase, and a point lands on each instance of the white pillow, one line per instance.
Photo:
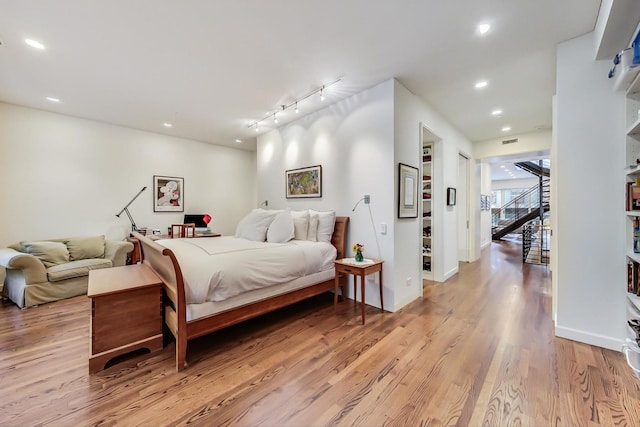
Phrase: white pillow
(326, 221)
(312, 233)
(300, 224)
(254, 225)
(281, 229)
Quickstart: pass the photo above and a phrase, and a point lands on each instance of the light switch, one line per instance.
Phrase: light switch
(383, 228)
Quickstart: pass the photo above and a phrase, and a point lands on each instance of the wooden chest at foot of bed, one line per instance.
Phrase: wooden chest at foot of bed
(126, 313)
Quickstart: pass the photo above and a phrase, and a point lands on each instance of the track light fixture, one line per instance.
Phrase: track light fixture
(294, 104)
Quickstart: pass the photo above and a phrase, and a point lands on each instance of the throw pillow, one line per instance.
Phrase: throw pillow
(254, 225)
(281, 230)
(312, 233)
(326, 222)
(50, 253)
(85, 247)
(300, 224)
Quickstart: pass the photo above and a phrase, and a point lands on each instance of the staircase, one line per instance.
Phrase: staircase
(540, 170)
(530, 205)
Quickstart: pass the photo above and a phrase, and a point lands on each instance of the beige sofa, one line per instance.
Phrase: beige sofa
(48, 270)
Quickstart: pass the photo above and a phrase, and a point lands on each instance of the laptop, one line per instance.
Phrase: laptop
(198, 220)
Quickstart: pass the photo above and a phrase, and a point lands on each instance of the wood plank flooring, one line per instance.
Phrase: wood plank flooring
(477, 350)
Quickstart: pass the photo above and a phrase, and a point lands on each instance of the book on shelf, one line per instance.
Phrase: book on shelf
(636, 235)
(633, 196)
(633, 276)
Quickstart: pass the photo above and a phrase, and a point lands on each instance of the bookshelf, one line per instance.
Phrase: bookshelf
(632, 202)
(427, 211)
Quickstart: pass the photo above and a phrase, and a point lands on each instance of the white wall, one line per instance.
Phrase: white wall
(359, 143)
(410, 113)
(485, 216)
(590, 276)
(64, 176)
(534, 142)
(353, 142)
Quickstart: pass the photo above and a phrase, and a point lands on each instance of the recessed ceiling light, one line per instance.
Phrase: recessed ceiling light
(506, 129)
(34, 43)
(238, 141)
(167, 125)
(496, 112)
(502, 166)
(52, 99)
(506, 170)
(483, 28)
(481, 84)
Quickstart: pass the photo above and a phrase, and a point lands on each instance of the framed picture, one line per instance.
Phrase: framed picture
(407, 191)
(168, 194)
(451, 196)
(304, 182)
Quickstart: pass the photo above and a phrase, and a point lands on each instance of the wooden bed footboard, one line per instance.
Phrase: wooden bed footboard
(163, 261)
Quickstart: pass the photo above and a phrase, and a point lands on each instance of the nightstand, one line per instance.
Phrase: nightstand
(362, 269)
(126, 312)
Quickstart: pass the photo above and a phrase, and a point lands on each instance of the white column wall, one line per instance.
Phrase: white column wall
(353, 142)
(589, 159)
(410, 114)
(63, 176)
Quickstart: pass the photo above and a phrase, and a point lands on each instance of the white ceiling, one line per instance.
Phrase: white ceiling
(212, 67)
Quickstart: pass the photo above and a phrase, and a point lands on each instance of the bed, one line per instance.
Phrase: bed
(188, 314)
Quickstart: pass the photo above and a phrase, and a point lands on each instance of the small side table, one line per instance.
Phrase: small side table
(357, 269)
(126, 312)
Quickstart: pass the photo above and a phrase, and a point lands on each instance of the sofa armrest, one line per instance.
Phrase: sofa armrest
(117, 251)
(32, 268)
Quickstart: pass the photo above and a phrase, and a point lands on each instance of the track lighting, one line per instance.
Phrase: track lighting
(294, 104)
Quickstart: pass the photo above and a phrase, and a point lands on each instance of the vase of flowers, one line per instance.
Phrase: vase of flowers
(358, 248)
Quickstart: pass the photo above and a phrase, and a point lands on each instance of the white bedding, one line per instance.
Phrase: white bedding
(218, 268)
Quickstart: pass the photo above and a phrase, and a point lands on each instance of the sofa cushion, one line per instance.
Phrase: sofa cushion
(76, 268)
(50, 253)
(85, 247)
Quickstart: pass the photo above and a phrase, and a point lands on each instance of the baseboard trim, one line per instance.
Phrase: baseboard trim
(589, 338)
(450, 274)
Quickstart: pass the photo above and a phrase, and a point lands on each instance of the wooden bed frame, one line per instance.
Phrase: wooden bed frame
(163, 261)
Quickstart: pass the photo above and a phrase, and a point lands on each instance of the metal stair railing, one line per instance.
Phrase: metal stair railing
(535, 243)
(521, 206)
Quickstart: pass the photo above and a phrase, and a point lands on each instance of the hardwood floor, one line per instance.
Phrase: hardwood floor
(477, 350)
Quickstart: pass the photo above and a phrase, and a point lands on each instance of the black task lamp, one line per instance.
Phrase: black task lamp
(126, 210)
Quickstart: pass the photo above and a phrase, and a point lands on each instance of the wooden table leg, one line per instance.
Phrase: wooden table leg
(381, 302)
(362, 295)
(355, 292)
(335, 290)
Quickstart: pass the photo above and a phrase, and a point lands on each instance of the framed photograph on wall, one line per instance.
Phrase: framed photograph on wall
(407, 191)
(168, 194)
(451, 196)
(304, 182)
